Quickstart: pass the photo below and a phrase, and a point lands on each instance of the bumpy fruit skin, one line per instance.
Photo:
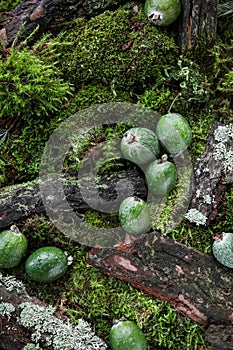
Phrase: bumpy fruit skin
(161, 177)
(174, 132)
(46, 264)
(162, 12)
(13, 247)
(126, 335)
(134, 215)
(223, 249)
(140, 145)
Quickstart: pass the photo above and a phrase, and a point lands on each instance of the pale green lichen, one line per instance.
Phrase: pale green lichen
(224, 135)
(31, 346)
(12, 284)
(59, 334)
(6, 309)
(195, 216)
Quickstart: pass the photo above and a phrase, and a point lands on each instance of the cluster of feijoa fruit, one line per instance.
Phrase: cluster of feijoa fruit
(142, 146)
(43, 265)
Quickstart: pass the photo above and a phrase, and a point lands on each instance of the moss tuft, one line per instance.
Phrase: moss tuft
(118, 48)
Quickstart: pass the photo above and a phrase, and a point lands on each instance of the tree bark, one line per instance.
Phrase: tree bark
(41, 14)
(20, 202)
(199, 17)
(193, 283)
(211, 179)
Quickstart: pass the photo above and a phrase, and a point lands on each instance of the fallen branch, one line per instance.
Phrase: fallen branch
(192, 282)
(41, 14)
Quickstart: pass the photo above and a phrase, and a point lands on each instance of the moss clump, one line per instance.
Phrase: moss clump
(94, 94)
(30, 88)
(7, 5)
(117, 47)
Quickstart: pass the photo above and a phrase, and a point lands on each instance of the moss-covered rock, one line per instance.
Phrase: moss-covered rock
(119, 48)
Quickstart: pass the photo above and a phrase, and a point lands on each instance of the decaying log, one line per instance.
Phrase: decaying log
(20, 202)
(199, 17)
(43, 13)
(16, 330)
(211, 177)
(193, 283)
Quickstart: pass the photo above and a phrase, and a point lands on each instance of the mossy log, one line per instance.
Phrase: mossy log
(28, 320)
(197, 17)
(41, 14)
(192, 282)
(20, 202)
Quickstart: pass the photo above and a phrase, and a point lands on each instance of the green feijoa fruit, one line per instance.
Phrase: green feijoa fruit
(161, 177)
(223, 249)
(13, 247)
(140, 145)
(46, 264)
(174, 132)
(162, 12)
(134, 215)
(126, 335)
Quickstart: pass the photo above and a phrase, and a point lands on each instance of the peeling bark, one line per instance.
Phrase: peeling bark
(192, 282)
(198, 18)
(41, 14)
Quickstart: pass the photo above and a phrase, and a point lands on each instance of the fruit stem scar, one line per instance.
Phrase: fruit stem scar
(132, 138)
(15, 229)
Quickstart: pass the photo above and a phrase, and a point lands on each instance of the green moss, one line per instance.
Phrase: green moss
(30, 88)
(7, 5)
(94, 94)
(32, 91)
(98, 219)
(118, 48)
(224, 218)
(96, 6)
